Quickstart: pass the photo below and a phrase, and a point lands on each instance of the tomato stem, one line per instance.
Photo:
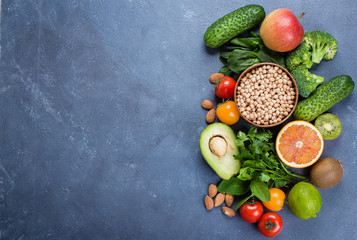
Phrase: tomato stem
(269, 225)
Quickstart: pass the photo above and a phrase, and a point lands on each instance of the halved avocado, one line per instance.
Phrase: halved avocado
(218, 145)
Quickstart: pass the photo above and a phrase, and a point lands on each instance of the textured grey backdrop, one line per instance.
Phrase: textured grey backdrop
(100, 120)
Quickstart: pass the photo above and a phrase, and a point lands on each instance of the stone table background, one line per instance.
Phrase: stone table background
(100, 120)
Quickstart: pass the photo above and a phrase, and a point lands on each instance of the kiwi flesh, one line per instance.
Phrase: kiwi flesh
(329, 125)
(326, 173)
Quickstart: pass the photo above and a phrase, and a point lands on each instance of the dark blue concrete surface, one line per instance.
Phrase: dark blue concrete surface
(100, 120)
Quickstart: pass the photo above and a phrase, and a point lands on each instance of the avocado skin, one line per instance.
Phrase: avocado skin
(233, 24)
(324, 97)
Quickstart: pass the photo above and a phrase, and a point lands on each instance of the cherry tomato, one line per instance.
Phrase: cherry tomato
(225, 87)
(276, 201)
(228, 113)
(270, 224)
(251, 211)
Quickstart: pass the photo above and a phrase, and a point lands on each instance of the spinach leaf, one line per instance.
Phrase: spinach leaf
(225, 71)
(260, 190)
(267, 55)
(243, 200)
(233, 186)
(239, 65)
(249, 42)
(239, 60)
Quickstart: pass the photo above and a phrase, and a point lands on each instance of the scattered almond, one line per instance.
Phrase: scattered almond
(207, 104)
(229, 199)
(212, 190)
(228, 211)
(215, 76)
(211, 116)
(208, 203)
(219, 199)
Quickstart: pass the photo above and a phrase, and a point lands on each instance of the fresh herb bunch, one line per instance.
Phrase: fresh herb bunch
(260, 161)
(261, 168)
(242, 52)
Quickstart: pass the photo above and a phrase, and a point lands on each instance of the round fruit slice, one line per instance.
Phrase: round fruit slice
(299, 144)
(329, 125)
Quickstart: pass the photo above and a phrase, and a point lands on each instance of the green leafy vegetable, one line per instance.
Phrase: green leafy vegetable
(239, 60)
(243, 200)
(267, 55)
(260, 190)
(242, 52)
(260, 161)
(261, 168)
(233, 186)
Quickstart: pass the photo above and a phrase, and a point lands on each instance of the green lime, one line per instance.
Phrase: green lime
(304, 200)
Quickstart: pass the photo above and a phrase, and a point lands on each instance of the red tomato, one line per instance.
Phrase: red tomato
(225, 87)
(270, 224)
(251, 211)
(228, 113)
(276, 201)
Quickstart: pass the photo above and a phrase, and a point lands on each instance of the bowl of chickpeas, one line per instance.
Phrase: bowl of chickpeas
(266, 94)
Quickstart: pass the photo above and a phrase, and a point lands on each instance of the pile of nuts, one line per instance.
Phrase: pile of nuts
(218, 201)
(265, 95)
(211, 114)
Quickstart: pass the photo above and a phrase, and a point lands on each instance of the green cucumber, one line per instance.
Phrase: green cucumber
(324, 97)
(233, 24)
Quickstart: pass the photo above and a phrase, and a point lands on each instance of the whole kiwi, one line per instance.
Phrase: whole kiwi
(326, 173)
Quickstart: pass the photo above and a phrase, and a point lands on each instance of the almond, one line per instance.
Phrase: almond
(219, 199)
(229, 199)
(208, 203)
(212, 190)
(211, 116)
(215, 76)
(228, 211)
(207, 104)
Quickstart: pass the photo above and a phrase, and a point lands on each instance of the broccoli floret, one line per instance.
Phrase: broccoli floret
(305, 81)
(299, 56)
(321, 44)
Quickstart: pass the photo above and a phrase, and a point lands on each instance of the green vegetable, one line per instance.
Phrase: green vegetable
(267, 55)
(261, 168)
(242, 201)
(317, 45)
(301, 56)
(260, 190)
(306, 81)
(241, 53)
(233, 24)
(321, 44)
(233, 186)
(239, 60)
(324, 97)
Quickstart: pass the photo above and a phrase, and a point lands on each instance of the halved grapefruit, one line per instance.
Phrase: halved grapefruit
(299, 144)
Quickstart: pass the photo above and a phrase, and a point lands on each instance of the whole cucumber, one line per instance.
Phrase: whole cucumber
(324, 97)
(233, 24)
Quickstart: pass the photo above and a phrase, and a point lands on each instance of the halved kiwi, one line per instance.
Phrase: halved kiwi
(329, 125)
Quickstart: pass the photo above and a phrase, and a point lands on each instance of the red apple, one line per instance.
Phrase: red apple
(281, 30)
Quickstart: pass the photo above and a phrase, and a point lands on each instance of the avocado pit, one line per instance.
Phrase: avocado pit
(218, 145)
